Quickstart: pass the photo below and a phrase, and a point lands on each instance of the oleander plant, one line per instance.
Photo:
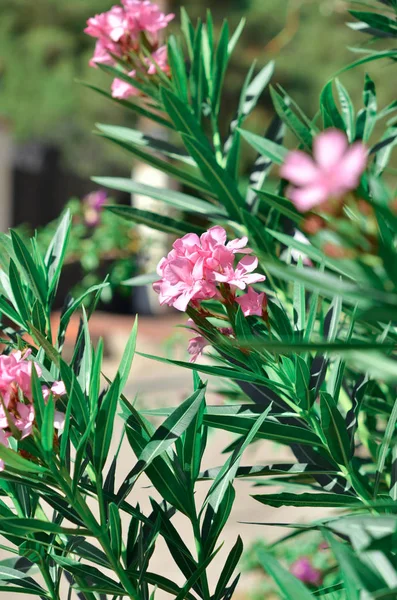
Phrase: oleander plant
(288, 279)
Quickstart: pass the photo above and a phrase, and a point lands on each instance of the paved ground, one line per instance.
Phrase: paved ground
(157, 385)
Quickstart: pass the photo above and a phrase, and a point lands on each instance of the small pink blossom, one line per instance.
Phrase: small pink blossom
(196, 347)
(334, 170)
(93, 205)
(111, 25)
(195, 266)
(143, 15)
(303, 569)
(242, 275)
(122, 89)
(252, 303)
(57, 390)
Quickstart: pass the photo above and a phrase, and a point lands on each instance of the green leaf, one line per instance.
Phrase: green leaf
(182, 117)
(385, 445)
(221, 61)
(76, 397)
(17, 462)
(104, 423)
(283, 434)
(178, 69)
(172, 428)
(284, 111)
(33, 275)
(331, 115)
(56, 252)
(14, 525)
(334, 428)
(182, 172)
(221, 182)
(266, 147)
(308, 499)
(140, 280)
(236, 35)
(228, 569)
(196, 576)
(128, 355)
(290, 587)
(154, 220)
(159, 472)
(376, 20)
(47, 429)
(18, 291)
(184, 202)
(347, 110)
(116, 540)
(137, 108)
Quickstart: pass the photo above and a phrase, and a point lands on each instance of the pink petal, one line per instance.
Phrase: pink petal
(353, 165)
(247, 264)
(299, 168)
(306, 198)
(329, 148)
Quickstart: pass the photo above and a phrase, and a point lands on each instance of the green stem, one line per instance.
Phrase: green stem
(48, 581)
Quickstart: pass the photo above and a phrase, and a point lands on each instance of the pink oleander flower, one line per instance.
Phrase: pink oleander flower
(242, 275)
(93, 205)
(334, 170)
(252, 303)
(160, 58)
(118, 30)
(303, 569)
(123, 90)
(143, 15)
(110, 25)
(196, 347)
(195, 266)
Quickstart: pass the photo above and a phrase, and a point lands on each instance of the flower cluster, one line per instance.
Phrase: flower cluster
(197, 266)
(334, 170)
(16, 406)
(123, 32)
(205, 267)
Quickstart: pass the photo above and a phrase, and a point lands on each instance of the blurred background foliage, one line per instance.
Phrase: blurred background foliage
(43, 51)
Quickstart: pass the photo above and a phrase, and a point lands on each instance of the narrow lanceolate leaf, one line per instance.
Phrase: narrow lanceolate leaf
(334, 428)
(56, 252)
(33, 276)
(329, 109)
(263, 164)
(366, 118)
(184, 202)
(105, 422)
(271, 470)
(283, 434)
(308, 499)
(128, 355)
(172, 428)
(266, 147)
(393, 480)
(221, 182)
(385, 445)
(347, 108)
(293, 122)
(228, 569)
(154, 220)
(290, 587)
(17, 462)
(116, 540)
(227, 473)
(357, 396)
